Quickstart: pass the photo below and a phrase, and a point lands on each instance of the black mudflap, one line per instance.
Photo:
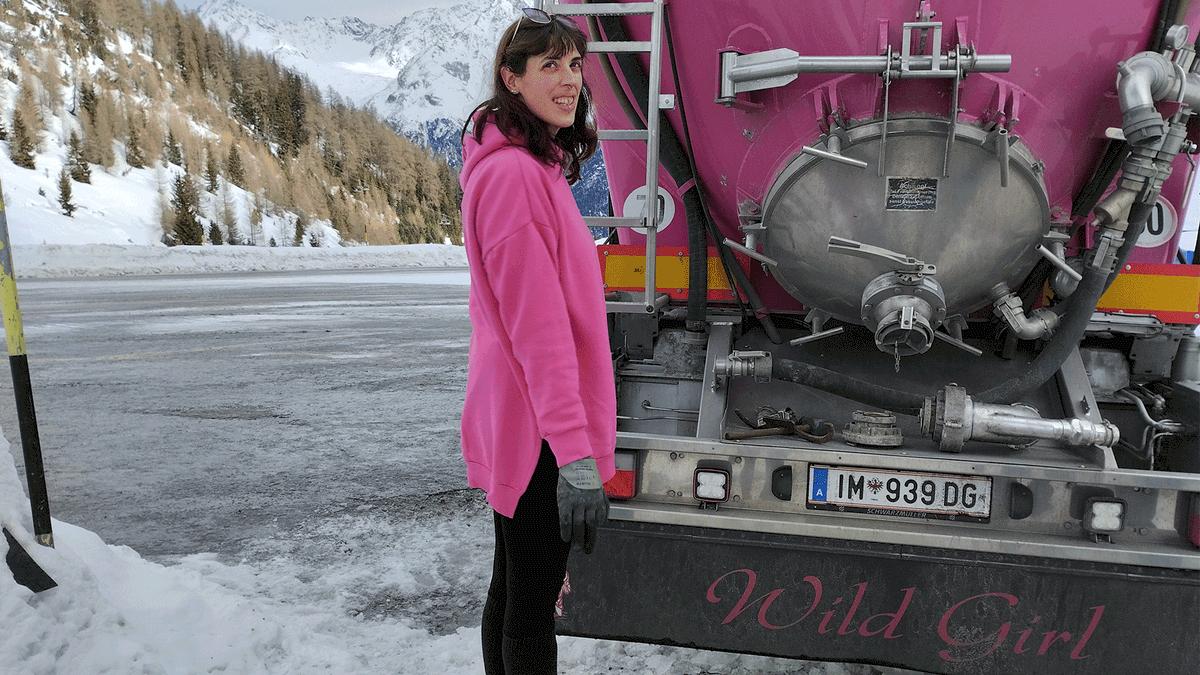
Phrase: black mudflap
(918, 608)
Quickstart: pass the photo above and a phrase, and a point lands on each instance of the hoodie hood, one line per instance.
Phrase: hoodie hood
(475, 151)
(493, 141)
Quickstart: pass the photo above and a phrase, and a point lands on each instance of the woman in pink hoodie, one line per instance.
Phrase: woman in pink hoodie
(539, 420)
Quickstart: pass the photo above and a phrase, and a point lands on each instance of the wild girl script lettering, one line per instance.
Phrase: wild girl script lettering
(960, 630)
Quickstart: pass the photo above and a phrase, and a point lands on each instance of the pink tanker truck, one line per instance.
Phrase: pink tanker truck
(903, 332)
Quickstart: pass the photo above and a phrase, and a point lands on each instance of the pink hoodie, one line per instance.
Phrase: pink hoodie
(539, 365)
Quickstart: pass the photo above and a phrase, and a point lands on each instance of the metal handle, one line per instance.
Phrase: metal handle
(897, 261)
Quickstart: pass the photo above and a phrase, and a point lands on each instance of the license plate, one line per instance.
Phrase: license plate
(909, 494)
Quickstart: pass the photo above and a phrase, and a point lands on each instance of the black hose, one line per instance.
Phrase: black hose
(1079, 309)
(697, 237)
(680, 165)
(1167, 11)
(847, 387)
(697, 305)
(1114, 157)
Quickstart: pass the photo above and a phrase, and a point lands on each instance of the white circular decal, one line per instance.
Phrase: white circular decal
(1161, 226)
(635, 207)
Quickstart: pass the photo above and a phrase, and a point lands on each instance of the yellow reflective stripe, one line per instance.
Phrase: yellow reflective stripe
(629, 271)
(1154, 293)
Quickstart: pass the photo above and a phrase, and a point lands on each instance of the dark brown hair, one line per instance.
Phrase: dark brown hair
(572, 145)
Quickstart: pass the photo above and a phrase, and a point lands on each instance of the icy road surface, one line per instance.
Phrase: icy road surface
(303, 425)
(255, 416)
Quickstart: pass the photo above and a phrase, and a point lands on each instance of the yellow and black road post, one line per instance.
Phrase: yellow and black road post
(39, 500)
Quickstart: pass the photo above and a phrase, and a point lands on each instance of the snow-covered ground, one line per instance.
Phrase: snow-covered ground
(115, 612)
(49, 261)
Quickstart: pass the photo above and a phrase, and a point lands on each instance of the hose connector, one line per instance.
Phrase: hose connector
(1040, 323)
(754, 364)
(953, 418)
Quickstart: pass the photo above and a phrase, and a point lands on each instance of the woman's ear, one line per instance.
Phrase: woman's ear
(509, 78)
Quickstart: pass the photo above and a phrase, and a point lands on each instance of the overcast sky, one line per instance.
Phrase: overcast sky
(380, 12)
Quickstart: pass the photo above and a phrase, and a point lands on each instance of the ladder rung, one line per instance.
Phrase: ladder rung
(623, 134)
(618, 47)
(604, 9)
(608, 221)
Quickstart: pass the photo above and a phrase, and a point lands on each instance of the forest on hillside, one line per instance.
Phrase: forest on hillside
(147, 84)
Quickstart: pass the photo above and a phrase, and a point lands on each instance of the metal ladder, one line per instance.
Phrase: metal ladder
(651, 301)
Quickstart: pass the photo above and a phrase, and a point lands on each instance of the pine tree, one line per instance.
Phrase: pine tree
(211, 173)
(214, 235)
(101, 131)
(229, 216)
(172, 153)
(301, 226)
(234, 172)
(256, 218)
(64, 193)
(3, 131)
(186, 202)
(87, 99)
(21, 148)
(135, 156)
(80, 170)
(89, 24)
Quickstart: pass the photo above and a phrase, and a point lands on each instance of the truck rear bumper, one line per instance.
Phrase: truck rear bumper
(931, 609)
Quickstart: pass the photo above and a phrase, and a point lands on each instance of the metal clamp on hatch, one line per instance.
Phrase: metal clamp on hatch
(905, 306)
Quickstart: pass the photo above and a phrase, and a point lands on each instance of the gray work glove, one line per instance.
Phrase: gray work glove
(582, 504)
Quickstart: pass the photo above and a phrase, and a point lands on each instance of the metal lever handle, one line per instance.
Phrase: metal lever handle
(817, 336)
(950, 339)
(833, 156)
(897, 261)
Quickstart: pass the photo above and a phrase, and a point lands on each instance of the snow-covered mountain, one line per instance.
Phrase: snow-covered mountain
(422, 75)
(434, 64)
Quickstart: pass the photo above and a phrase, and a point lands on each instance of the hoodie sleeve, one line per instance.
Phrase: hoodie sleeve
(520, 240)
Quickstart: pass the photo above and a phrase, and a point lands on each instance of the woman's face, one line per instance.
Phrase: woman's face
(550, 87)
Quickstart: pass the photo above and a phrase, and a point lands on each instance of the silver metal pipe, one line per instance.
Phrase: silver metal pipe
(918, 66)
(1005, 424)
(953, 418)
(833, 156)
(750, 252)
(778, 67)
(1002, 154)
(1059, 263)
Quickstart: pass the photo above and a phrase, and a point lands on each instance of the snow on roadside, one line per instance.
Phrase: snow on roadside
(58, 260)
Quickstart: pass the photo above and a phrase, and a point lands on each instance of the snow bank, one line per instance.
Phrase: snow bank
(56, 260)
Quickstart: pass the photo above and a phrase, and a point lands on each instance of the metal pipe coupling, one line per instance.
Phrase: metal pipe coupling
(754, 364)
(903, 310)
(952, 418)
(1038, 324)
(1144, 79)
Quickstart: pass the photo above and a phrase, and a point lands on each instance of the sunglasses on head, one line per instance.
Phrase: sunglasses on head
(538, 18)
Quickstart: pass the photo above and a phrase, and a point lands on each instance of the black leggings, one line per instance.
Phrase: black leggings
(527, 575)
